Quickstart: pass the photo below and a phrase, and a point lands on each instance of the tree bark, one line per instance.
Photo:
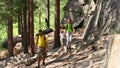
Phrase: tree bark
(24, 36)
(31, 26)
(40, 14)
(10, 37)
(10, 32)
(57, 24)
(20, 23)
(28, 23)
(47, 19)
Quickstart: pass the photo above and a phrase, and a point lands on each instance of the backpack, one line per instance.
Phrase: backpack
(38, 38)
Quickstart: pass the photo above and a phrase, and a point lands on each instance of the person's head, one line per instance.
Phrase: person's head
(40, 32)
(62, 27)
(62, 31)
(69, 21)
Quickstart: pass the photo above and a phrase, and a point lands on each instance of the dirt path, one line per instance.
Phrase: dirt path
(92, 56)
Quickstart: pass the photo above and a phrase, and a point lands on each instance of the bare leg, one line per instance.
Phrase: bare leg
(38, 62)
(70, 41)
(44, 61)
(62, 46)
(70, 45)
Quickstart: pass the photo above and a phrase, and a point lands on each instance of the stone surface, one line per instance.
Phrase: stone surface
(114, 59)
(60, 58)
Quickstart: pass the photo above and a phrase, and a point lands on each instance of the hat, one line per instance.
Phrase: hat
(40, 31)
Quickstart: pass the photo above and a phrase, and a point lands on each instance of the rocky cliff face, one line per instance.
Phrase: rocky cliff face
(77, 9)
(96, 15)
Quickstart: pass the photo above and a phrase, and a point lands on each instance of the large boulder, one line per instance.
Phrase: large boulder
(97, 17)
(16, 40)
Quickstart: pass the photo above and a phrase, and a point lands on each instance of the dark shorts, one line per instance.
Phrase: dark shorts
(42, 52)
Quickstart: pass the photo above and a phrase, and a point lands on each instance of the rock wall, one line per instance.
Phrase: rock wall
(114, 54)
(98, 15)
(77, 10)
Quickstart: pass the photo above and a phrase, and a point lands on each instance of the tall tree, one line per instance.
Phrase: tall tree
(10, 30)
(20, 23)
(31, 23)
(24, 36)
(28, 6)
(57, 24)
(47, 19)
(19, 9)
(10, 36)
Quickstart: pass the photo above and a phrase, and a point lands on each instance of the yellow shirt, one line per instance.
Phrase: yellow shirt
(42, 40)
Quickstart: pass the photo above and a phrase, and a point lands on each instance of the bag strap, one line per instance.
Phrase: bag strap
(37, 39)
(44, 38)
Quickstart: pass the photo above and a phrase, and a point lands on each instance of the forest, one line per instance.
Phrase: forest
(94, 33)
(39, 16)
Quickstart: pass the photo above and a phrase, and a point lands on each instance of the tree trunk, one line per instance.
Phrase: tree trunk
(40, 15)
(10, 33)
(31, 26)
(10, 37)
(57, 24)
(47, 19)
(20, 23)
(25, 45)
(28, 24)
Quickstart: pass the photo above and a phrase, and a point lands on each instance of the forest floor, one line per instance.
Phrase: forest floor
(82, 55)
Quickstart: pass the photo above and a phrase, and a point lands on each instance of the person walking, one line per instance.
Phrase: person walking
(69, 32)
(41, 42)
(62, 36)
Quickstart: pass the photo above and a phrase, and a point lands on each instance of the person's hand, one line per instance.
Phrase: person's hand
(74, 31)
(46, 49)
(35, 44)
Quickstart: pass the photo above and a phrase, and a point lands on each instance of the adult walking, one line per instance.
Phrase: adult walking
(41, 42)
(69, 32)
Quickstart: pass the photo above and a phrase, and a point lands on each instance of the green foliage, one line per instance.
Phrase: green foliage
(16, 5)
(8, 9)
(62, 4)
(41, 9)
(1, 48)
(3, 11)
(3, 33)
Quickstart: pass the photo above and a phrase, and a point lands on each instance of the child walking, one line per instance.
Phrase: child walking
(62, 36)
